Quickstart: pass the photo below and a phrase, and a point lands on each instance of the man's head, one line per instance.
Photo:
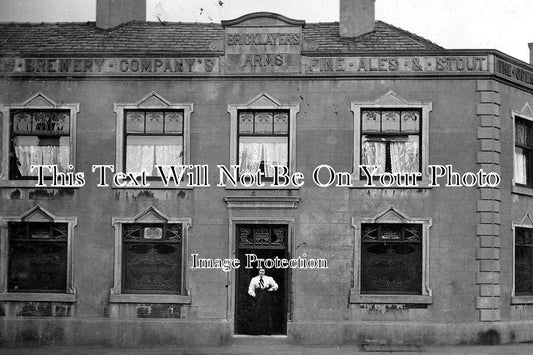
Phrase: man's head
(261, 272)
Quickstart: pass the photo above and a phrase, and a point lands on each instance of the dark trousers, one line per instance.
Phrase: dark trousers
(263, 311)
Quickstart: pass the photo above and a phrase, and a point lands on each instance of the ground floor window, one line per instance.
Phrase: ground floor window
(37, 257)
(152, 257)
(391, 258)
(523, 261)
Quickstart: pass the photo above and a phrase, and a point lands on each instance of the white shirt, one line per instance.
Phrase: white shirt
(268, 282)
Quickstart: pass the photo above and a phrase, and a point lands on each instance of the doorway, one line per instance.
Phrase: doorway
(265, 241)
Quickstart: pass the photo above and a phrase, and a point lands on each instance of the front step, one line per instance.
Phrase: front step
(260, 340)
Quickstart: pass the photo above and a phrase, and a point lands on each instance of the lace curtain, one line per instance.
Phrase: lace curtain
(404, 156)
(520, 167)
(270, 150)
(28, 152)
(374, 154)
(145, 157)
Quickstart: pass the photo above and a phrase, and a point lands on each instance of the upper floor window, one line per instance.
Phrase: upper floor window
(391, 140)
(38, 132)
(38, 137)
(153, 137)
(523, 158)
(262, 135)
(263, 140)
(391, 134)
(152, 132)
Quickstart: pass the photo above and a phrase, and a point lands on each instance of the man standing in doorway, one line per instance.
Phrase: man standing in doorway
(261, 288)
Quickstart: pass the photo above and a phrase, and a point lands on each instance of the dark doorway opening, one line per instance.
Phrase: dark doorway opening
(265, 241)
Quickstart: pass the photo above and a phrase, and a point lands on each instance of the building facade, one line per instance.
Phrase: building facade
(384, 182)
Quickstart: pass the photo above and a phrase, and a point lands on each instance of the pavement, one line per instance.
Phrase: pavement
(283, 349)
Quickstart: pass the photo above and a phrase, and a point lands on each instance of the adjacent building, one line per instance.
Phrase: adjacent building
(430, 242)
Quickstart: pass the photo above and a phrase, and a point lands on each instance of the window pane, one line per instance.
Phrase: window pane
(41, 122)
(246, 122)
(153, 233)
(413, 232)
(391, 258)
(263, 122)
(523, 132)
(135, 122)
(410, 122)
(40, 231)
(391, 232)
(37, 257)
(173, 122)
(405, 155)
(22, 122)
(391, 268)
(390, 121)
(520, 166)
(39, 138)
(152, 267)
(154, 122)
(281, 123)
(60, 123)
(370, 232)
(371, 121)
(145, 152)
(524, 236)
(34, 150)
(520, 133)
(131, 232)
(174, 232)
(523, 270)
(262, 153)
(373, 153)
(271, 236)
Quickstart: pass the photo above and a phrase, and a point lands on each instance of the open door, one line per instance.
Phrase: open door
(266, 241)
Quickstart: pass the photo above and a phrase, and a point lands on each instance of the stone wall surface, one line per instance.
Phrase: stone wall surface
(470, 254)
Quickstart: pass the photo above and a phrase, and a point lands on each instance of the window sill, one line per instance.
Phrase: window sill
(155, 184)
(39, 297)
(283, 202)
(141, 298)
(522, 190)
(361, 184)
(268, 186)
(391, 299)
(153, 187)
(30, 184)
(522, 299)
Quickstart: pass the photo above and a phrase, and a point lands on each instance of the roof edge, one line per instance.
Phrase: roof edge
(254, 15)
(414, 37)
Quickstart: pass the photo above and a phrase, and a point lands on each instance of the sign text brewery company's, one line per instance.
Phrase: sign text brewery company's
(90, 66)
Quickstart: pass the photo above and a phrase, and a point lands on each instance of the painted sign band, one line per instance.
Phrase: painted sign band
(91, 66)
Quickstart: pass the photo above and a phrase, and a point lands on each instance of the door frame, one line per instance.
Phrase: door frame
(232, 253)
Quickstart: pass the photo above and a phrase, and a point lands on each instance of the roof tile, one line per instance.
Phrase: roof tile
(139, 36)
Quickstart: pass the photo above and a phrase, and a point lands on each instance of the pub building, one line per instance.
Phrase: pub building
(92, 262)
